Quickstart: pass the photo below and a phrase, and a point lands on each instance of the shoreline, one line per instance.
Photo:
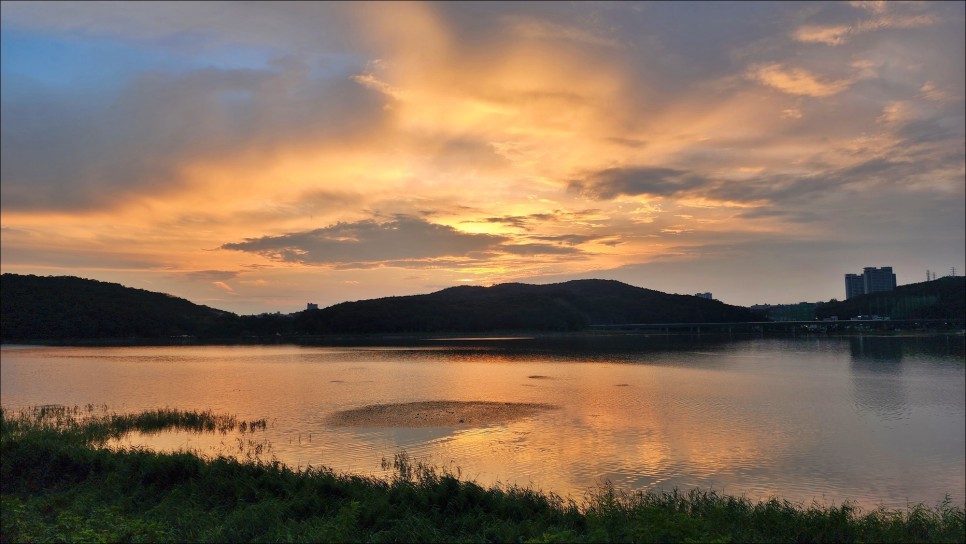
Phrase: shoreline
(147, 496)
(495, 336)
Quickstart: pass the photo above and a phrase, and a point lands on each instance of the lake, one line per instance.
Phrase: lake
(875, 420)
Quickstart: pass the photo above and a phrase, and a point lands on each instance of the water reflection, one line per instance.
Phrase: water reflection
(877, 381)
(876, 420)
(877, 353)
(616, 347)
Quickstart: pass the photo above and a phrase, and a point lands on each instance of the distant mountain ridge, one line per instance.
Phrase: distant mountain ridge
(572, 305)
(66, 307)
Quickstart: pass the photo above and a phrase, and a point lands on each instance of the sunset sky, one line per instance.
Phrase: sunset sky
(257, 156)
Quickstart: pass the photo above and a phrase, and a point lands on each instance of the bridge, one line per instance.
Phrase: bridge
(955, 324)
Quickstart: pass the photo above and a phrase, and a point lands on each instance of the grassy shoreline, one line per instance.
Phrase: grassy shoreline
(59, 483)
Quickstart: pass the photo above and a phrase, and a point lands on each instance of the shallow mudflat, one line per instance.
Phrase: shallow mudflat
(436, 414)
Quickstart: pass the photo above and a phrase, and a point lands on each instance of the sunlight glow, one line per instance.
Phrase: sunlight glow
(530, 143)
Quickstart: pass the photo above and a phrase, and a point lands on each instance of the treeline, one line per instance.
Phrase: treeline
(515, 306)
(65, 308)
(944, 298)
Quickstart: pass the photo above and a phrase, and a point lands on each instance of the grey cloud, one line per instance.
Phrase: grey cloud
(415, 264)
(76, 151)
(518, 221)
(404, 238)
(927, 148)
(357, 266)
(539, 249)
(913, 158)
(627, 142)
(794, 216)
(614, 182)
(405, 242)
(568, 239)
(774, 189)
(897, 171)
(947, 127)
(212, 275)
(523, 222)
(877, 168)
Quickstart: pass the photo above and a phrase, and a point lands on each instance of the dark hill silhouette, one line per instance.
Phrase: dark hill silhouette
(944, 298)
(66, 308)
(516, 306)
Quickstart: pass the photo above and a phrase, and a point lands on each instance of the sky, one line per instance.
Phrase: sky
(255, 157)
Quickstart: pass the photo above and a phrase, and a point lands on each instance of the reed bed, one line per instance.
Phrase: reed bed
(96, 425)
(59, 484)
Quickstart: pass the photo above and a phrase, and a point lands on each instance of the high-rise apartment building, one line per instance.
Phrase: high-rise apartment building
(854, 285)
(878, 279)
(872, 280)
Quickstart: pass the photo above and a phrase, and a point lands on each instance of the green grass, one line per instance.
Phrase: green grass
(60, 484)
(96, 425)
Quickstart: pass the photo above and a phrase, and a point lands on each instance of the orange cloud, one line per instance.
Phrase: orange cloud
(796, 81)
(223, 285)
(538, 139)
(829, 35)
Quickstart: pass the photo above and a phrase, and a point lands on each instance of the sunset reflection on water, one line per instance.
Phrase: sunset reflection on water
(878, 422)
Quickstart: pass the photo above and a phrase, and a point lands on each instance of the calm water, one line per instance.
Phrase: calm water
(877, 420)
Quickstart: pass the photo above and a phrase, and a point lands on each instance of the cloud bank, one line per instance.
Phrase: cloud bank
(268, 150)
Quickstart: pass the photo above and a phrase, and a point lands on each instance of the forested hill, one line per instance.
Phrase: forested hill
(944, 298)
(65, 307)
(515, 306)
